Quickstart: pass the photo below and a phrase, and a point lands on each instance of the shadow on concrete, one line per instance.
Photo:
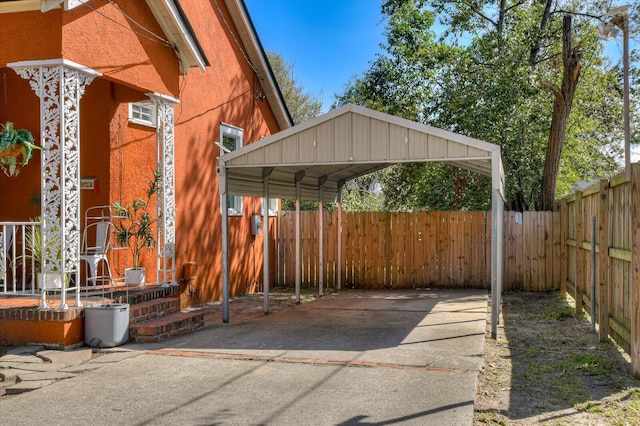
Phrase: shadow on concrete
(360, 321)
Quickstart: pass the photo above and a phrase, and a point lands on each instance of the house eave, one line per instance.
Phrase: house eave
(258, 58)
(176, 27)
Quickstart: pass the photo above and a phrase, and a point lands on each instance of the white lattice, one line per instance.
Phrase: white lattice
(166, 194)
(59, 84)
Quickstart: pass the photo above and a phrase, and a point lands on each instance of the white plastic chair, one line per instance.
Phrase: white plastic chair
(100, 234)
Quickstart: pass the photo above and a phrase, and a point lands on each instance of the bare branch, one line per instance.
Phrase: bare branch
(513, 6)
(587, 15)
(554, 87)
(535, 48)
(482, 15)
(546, 58)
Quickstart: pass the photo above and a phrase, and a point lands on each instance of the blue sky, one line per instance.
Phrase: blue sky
(327, 41)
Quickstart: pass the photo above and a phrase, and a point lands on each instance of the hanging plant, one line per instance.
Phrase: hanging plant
(13, 144)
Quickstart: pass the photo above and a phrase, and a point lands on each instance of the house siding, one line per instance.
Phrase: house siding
(122, 155)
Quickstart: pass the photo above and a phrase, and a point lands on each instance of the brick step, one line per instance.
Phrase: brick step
(151, 309)
(159, 329)
(142, 295)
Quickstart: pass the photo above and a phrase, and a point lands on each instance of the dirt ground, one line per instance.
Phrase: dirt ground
(245, 308)
(548, 367)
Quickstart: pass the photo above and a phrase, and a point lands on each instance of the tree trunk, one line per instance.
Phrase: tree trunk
(561, 111)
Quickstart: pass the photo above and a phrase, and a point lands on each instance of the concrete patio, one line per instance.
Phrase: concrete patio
(355, 357)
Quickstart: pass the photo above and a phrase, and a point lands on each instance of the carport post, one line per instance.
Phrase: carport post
(299, 177)
(497, 221)
(321, 183)
(265, 226)
(339, 266)
(320, 246)
(225, 243)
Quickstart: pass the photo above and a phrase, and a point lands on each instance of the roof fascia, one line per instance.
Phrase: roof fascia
(255, 51)
(178, 30)
(21, 6)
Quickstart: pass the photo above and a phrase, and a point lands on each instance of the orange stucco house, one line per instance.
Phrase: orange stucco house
(114, 90)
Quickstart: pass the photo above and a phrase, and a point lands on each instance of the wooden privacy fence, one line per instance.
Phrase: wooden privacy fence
(611, 204)
(423, 249)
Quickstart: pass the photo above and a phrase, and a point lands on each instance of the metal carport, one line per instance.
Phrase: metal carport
(313, 160)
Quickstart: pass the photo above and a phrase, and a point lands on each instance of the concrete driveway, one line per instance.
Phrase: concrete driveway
(353, 358)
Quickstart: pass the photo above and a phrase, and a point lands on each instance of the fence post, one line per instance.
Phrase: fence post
(604, 237)
(579, 255)
(634, 299)
(564, 225)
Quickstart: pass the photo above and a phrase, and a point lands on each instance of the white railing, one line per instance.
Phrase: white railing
(17, 264)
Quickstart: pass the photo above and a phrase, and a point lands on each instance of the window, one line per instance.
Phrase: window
(273, 206)
(143, 113)
(231, 138)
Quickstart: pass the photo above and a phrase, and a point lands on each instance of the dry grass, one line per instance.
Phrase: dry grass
(547, 367)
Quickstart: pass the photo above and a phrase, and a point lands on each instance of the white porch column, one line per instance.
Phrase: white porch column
(59, 84)
(166, 239)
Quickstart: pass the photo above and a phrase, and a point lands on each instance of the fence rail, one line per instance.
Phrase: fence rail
(610, 204)
(423, 249)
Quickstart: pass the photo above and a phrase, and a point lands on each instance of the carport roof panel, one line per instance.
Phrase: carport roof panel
(341, 145)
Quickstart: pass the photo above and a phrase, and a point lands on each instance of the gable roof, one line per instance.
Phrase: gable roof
(255, 52)
(346, 143)
(178, 30)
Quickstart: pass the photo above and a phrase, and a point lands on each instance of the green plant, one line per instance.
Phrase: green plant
(13, 143)
(135, 230)
(34, 253)
(33, 240)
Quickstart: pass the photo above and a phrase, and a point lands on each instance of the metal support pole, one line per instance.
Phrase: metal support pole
(339, 266)
(265, 226)
(321, 245)
(497, 220)
(298, 276)
(225, 244)
(625, 72)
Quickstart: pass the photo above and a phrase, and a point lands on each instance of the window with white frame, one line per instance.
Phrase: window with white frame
(143, 113)
(231, 139)
(273, 206)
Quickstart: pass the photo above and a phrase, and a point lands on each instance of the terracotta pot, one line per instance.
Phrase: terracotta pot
(12, 151)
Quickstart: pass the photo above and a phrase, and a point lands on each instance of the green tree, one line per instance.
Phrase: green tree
(302, 105)
(493, 75)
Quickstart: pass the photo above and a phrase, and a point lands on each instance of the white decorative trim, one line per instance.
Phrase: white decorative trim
(166, 193)
(59, 84)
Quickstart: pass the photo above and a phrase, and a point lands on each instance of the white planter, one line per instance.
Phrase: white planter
(50, 281)
(134, 277)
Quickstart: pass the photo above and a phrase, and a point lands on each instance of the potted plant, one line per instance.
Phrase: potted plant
(33, 239)
(135, 230)
(14, 143)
